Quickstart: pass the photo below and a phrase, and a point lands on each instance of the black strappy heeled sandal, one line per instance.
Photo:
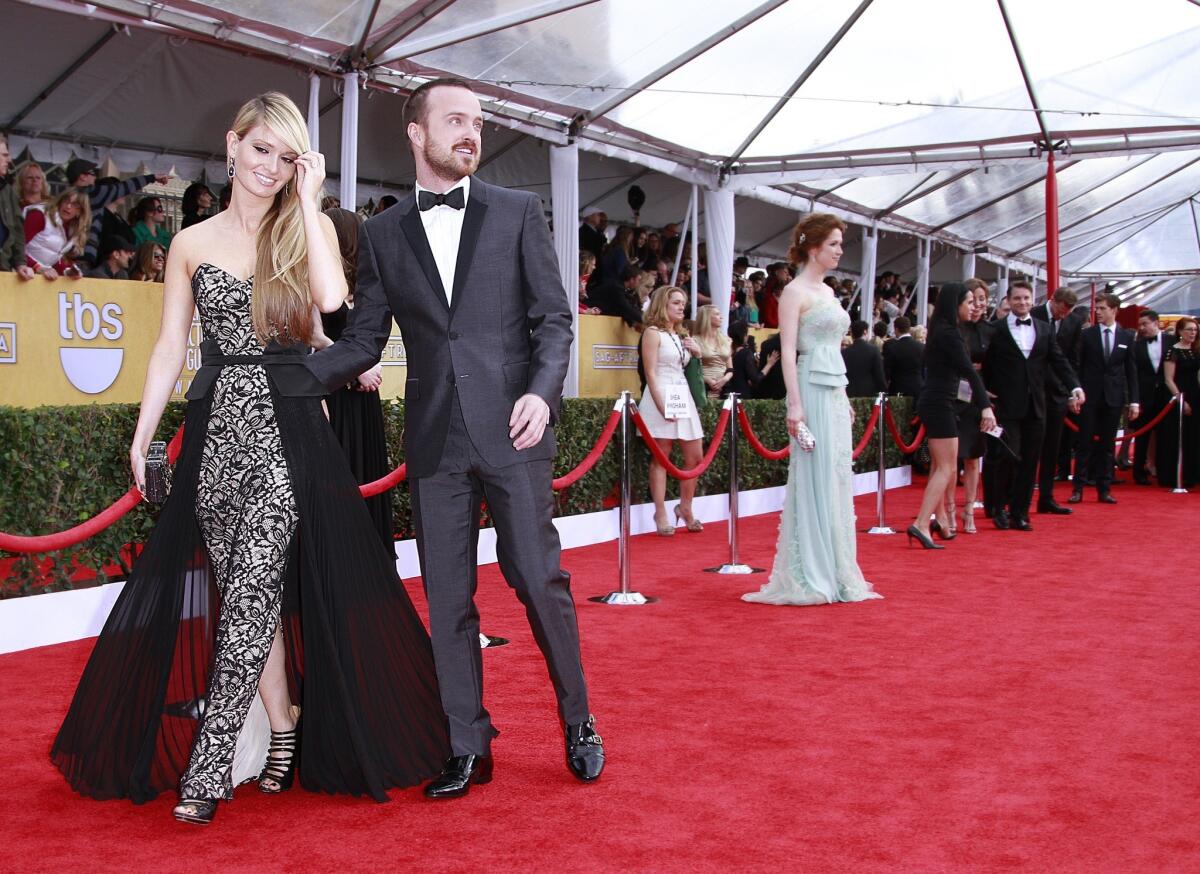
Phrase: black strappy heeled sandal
(199, 811)
(281, 761)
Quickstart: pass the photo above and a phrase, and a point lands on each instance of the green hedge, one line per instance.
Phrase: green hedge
(61, 465)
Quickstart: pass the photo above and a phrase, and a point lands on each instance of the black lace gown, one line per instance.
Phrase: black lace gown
(264, 528)
(1187, 380)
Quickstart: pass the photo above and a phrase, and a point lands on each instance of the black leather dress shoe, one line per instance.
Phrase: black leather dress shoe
(1142, 480)
(458, 774)
(1020, 523)
(1106, 498)
(1000, 519)
(1053, 507)
(585, 750)
(1075, 498)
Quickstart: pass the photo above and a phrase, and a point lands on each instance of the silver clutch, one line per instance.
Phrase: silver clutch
(805, 439)
(158, 473)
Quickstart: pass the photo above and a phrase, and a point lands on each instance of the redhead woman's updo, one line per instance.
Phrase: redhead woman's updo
(812, 231)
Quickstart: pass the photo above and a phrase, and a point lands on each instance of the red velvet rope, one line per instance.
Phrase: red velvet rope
(756, 444)
(382, 484)
(867, 432)
(1153, 423)
(574, 476)
(93, 526)
(661, 458)
(905, 448)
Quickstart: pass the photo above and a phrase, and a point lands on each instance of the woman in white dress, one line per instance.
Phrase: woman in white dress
(666, 404)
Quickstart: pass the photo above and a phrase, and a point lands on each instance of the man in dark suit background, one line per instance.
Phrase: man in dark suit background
(1109, 379)
(1149, 353)
(904, 361)
(864, 364)
(1015, 367)
(1065, 326)
(468, 270)
(591, 232)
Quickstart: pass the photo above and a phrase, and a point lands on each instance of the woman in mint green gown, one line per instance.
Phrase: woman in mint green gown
(816, 558)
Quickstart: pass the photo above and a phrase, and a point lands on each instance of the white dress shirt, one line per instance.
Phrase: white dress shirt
(1024, 335)
(443, 228)
(1155, 351)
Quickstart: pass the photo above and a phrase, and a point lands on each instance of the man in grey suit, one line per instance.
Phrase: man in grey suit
(469, 272)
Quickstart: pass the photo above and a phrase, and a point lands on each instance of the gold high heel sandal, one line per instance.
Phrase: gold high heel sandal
(690, 522)
(663, 529)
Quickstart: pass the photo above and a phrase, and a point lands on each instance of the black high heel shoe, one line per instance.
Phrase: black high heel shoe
(926, 542)
(199, 811)
(936, 527)
(280, 769)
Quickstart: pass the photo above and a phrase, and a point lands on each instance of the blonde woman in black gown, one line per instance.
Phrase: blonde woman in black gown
(262, 574)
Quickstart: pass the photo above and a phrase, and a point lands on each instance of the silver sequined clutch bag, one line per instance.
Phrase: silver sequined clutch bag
(158, 473)
(805, 438)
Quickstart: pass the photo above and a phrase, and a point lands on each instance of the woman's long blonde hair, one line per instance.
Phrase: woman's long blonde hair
(712, 341)
(83, 224)
(24, 170)
(656, 313)
(282, 302)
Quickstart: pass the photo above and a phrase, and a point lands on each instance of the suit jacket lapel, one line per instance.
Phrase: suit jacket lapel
(414, 231)
(469, 239)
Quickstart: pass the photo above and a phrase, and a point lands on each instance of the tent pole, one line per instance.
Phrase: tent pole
(314, 112)
(349, 190)
(564, 204)
(1051, 223)
(695, 250)
(923, 247)
(687, 223)
(968, 265)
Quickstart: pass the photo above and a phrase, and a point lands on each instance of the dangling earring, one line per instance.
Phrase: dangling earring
(231, 167)
(287, 189)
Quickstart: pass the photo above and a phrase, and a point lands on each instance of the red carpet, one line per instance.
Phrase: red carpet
(1019, 702)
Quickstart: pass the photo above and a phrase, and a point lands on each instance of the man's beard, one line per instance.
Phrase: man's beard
(449, 163)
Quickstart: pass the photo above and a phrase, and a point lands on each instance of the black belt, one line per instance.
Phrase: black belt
(266, 359)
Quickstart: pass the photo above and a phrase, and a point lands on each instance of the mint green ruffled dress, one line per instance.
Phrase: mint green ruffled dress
(816, 559)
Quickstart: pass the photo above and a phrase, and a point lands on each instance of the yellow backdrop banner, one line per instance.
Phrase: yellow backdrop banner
(88, 341)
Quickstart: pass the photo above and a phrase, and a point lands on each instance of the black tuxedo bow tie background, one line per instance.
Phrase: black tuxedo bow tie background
(454, 198)
(1024, 321)
(1153, 339)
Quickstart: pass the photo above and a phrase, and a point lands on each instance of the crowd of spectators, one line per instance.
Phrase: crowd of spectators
(89, 227)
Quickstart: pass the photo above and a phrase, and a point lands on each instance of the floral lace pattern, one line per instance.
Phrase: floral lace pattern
(247, 513)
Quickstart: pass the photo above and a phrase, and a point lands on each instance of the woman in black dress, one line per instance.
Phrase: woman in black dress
(355, 411)
(1181, 371)
(261, 581)
(947, 363)
(971, 441)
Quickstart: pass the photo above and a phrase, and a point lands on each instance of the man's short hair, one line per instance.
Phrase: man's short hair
(1109, 298)
(858, 328)
(631, 271)
(1018, 283)
(416, 107)
(1066, 297)
(741, 261)
(902, 325)
(1148, 314)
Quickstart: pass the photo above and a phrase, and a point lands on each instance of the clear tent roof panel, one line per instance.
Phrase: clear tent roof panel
(968, 194)
(841, 101)
(1025, 207)
(1163, 241)
(611, 43)
(338, 21)
(1166, 178)
(713, 103)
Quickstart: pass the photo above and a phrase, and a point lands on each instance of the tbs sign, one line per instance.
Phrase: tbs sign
(91, 369)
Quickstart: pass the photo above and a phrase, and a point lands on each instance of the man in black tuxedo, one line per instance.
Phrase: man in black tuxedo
(864, 365)
(1149, 353)
(904, 361)
(1065, 327)
(1015, 367)
(1110, 381)
(468, 270)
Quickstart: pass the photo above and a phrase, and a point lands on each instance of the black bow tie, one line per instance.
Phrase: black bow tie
(1024, 321)
(1153, 339)
(454, 198)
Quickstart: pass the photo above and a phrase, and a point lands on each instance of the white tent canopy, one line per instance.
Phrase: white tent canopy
(928, 117)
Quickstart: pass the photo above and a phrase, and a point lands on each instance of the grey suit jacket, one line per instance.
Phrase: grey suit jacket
(506, 333)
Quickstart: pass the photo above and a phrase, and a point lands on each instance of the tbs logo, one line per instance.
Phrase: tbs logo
(91, 369)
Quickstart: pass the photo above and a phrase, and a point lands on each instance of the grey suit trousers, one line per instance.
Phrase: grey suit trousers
(446, 513)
